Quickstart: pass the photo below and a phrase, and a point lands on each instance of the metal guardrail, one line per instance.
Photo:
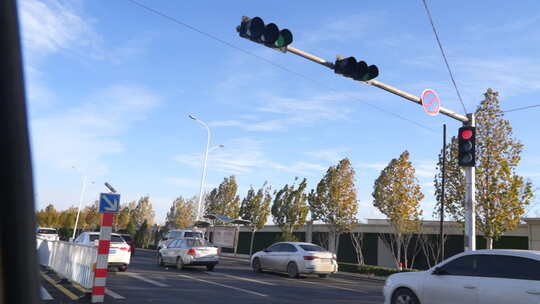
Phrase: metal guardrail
(72, 261)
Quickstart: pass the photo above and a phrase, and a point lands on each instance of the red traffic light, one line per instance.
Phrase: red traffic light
(466, 134)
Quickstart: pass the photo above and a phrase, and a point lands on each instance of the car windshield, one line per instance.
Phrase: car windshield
(47, 231)
(127, 238)
(188, 234)
(114, 238)
(312, 248)
(196, 243)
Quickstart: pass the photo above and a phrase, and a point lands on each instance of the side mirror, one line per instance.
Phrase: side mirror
(266, 250)
(439, 271)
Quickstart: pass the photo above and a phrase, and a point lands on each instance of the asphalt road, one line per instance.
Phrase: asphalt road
(232, 281)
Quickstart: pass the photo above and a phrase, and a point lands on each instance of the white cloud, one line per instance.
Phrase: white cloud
(82, 135)
(183, 182)
(330, 155)
(243, 156)
(249, 125)
(425, 168)
(292, 112)
(343, 28)
(52, 26)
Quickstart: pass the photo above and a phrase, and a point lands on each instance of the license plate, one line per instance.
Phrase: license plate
(112, 251)
(324, 261)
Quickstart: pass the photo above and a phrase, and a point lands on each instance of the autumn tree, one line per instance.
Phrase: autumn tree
(255, 208)
(290, 209)
(47, 217)
(454, 189)
(334, 200)
(181, 214)
(121, 220)
(142, 236)
(501, 194)
(92, 217)
(397, 195)
(143, 212)
(224, 200)
(66, 222)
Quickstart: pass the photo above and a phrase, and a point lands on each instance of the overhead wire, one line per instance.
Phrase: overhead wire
(319, 83)
(521, 108)
(444, 55)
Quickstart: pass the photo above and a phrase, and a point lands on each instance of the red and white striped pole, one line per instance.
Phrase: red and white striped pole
(100, 278)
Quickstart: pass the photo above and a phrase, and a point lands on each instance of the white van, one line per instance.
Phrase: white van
(176, 234)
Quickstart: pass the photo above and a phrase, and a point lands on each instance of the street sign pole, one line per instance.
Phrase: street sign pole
(109, 204)
(470, 201)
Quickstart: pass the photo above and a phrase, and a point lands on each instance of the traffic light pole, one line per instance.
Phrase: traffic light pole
(470, 201)
(464, 119)
(470, 223)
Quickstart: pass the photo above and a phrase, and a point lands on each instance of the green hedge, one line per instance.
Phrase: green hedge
(371, 269)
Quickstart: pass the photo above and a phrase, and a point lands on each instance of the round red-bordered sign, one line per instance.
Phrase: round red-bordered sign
(431, 102)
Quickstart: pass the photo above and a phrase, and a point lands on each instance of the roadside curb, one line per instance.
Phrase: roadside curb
(245, 258)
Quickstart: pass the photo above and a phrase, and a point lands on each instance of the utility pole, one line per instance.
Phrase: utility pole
(256, 31)
(441, 234)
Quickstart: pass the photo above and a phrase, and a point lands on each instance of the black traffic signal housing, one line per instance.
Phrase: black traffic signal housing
(270, 35)
(467, 146)
(360, 71)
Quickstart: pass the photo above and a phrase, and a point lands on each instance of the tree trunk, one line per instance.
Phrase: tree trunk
(251, 244)
(489, 242)
(336, 242)
(398, 245)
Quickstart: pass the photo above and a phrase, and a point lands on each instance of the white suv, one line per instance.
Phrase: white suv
(176, 234)
(45, 233)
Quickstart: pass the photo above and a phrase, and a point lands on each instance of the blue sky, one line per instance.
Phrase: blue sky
(110, 87)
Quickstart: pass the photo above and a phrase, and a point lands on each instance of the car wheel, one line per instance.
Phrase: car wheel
(323, 275)
(292, 270)
(256, 265)
(122, 268)
(404, 296)
(210, 267)
(179, 263)
(160, 260)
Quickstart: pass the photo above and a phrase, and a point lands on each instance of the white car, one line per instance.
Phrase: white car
(295, 258)
(472, 277)
(176, 234)
(45, 233)
(119, 251)
(189, 252)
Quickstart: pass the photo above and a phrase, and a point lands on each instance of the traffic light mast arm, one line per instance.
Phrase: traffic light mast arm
(379, 85)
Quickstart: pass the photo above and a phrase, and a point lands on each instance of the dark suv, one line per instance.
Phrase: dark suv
(129, 240)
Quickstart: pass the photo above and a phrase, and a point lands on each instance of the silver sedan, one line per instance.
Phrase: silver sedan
(295, 258)
(189, 252)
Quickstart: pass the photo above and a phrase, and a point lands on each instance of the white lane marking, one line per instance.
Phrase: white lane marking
(324, 285)
(223, 285)
(139, 277)
(113, 294)
(240, 278)
(45, 294)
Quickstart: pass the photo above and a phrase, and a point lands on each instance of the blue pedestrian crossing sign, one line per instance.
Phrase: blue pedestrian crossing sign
(109, 202)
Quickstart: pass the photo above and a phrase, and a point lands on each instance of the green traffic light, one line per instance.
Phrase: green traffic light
(285, 38)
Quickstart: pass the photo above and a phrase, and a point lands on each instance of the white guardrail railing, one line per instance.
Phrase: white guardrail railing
(73, 261)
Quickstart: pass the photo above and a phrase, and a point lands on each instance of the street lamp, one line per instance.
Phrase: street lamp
(203, 175)
(83, 188)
